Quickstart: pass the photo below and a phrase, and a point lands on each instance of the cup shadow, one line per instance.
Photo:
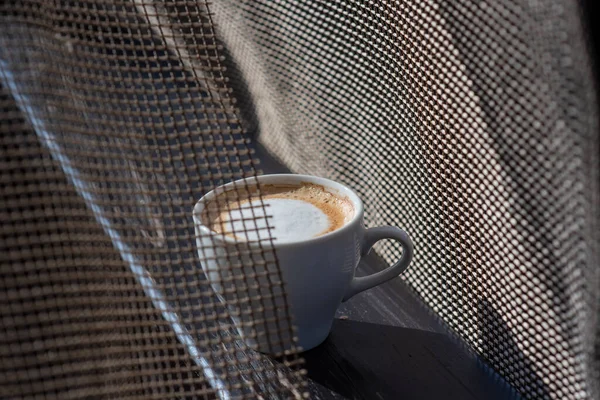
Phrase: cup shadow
(362, 360)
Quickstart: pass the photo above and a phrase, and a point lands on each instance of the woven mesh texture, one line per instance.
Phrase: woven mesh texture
(470, 124)
(115, 119)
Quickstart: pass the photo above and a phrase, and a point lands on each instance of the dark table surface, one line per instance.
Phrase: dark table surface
(386, 344)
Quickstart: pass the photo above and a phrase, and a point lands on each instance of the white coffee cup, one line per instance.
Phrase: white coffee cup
(317, 273)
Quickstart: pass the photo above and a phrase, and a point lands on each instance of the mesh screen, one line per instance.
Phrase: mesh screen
(116, 118)
(471, 124)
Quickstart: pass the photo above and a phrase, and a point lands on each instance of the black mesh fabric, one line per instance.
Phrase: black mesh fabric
(471, 124)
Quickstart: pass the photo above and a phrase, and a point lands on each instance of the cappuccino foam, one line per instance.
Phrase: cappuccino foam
(294, 213)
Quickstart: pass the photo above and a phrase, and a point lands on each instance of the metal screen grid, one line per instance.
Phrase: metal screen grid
(116, 119)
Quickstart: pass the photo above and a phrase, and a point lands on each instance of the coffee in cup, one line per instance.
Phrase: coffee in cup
(293, 212)
(318, 239)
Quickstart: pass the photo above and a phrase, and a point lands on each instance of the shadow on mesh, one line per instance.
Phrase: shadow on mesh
(497, 338)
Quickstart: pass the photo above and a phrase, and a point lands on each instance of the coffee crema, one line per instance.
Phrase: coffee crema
(295, 212)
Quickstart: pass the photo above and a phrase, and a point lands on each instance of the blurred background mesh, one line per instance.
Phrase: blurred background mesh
(472, 125)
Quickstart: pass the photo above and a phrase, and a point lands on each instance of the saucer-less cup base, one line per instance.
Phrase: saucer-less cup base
(318, 273)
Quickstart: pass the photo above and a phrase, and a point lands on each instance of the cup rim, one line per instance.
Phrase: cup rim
(339, 188)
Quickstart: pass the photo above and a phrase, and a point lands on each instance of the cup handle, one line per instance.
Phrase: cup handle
(372, 236)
